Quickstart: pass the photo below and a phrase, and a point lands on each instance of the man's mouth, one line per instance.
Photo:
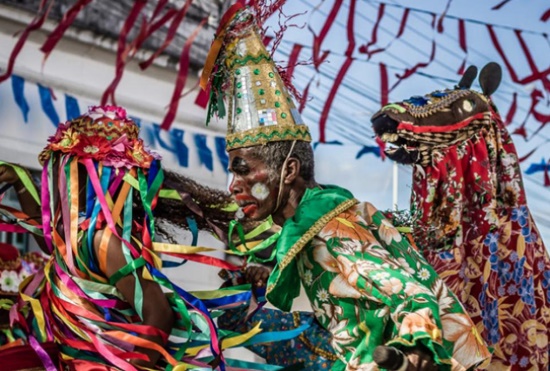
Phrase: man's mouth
(247, 206)
(249, 209)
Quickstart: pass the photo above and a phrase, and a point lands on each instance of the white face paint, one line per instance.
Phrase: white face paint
(259, 191)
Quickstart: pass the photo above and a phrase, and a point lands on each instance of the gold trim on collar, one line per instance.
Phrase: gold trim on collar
(312, 232)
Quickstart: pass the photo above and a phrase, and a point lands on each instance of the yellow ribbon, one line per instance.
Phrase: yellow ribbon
(229, 343)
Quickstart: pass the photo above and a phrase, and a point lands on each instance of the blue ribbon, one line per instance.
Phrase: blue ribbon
(71, 107)
(188, 298)
(205, 154)
(18, 88)
(46, 100)
(192, 223)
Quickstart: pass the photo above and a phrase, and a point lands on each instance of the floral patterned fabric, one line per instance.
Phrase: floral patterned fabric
(368, 287)
(475, 229)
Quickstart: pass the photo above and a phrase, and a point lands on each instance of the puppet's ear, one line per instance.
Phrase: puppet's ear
(490, 78)
(468, 78)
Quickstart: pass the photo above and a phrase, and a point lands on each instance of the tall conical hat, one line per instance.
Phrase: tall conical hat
(261, 109)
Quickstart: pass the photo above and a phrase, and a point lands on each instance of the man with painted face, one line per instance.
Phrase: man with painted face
(367, 286)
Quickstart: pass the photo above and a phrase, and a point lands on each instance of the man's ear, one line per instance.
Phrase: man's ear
(292, 170)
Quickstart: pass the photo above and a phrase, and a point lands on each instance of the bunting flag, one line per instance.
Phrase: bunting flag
(376, 150)
(46, 100)
(184, 147)
(144, 18)
(543, 166)
(18, 86)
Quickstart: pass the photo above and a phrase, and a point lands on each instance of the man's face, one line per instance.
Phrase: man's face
(251, 186)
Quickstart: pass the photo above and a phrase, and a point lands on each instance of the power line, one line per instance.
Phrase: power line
(469, 20)
(446, 66)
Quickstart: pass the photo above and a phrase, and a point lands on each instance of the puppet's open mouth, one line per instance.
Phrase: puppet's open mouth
(398, 148)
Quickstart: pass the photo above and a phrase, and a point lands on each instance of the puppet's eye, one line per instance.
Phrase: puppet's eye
(468, 105)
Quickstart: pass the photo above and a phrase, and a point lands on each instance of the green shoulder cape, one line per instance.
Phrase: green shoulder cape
(318, 206)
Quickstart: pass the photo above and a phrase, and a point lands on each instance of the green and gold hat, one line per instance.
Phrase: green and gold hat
(241, 70)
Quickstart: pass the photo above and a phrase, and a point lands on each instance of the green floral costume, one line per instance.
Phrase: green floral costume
(367, 285)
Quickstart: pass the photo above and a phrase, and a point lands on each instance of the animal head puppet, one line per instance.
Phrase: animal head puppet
(470, 214)
(465, 164)
(423, 124)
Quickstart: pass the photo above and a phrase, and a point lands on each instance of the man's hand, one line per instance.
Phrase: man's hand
(413, 359)
(420, 359)
(8, 175)
(257, 275)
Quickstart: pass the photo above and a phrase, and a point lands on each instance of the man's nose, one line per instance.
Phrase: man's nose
(234, 186)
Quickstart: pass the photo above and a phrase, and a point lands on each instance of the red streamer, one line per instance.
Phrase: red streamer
(182, 78)
(410, 71)
(536, 75)
(521, 131)
(536, 96)
(36, 23)
(305, 95)
(122, 51)
(512, 110)
(525, 157)
(382, 146)
(59, 31)
(293, 60)
(341, 74)
(169, 35)
(545, 16)
(384, 85)
(374, 33)
(462, 42)
(440, 28)
(500, 5)
(149, 27)
(319, 58)
(202, 98)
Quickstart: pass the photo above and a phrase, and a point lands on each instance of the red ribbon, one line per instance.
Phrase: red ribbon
(384, 85)
(182, 78)
(410, 71)
(59, 31)
(293, 60)
(545, 16)
(512, 110)
(204, 259)
(36, 23)
(341, 74)
(305, 95)
(149, 27)
(536, 75)
(202, 98)
(442, 16)
(169, 35)
(374, 34)
(319, 58)
(462, 43)
(122, 51)
(500, 5)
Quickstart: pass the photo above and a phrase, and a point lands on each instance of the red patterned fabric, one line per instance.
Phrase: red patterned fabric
(476, 230)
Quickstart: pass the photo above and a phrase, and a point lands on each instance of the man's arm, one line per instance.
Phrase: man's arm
(28, 204)
(156, 308)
